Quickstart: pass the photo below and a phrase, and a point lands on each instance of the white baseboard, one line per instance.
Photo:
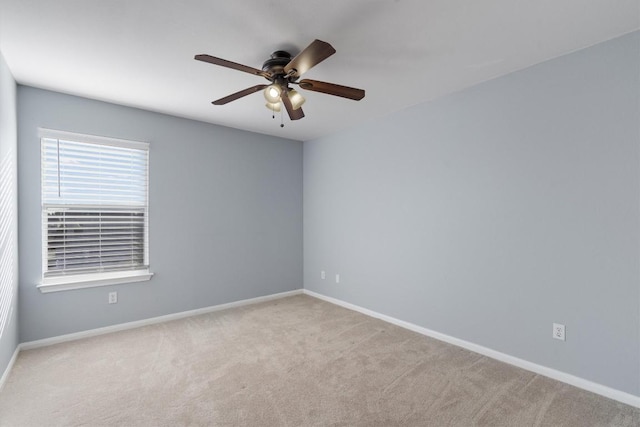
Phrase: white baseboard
(5, 375)
(600, 389)
(582, 383)
(145, 322)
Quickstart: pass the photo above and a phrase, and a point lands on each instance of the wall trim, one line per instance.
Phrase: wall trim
(5, 375)
(611, 393)
(151, 321)
(602, 390)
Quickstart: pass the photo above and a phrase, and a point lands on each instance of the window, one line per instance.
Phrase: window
(95, 211)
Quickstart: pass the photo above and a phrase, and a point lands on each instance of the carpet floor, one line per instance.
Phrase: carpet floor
(297, 361)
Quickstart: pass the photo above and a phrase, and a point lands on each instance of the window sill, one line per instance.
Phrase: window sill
(81, 281)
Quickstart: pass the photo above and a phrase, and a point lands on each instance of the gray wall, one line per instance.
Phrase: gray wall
(225, 215)
(491, 213)
(8, 217)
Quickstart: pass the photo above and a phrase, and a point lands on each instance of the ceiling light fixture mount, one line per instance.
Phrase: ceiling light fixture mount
(282, 71)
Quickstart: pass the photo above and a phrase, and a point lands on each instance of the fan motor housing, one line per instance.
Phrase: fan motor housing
(275, 65)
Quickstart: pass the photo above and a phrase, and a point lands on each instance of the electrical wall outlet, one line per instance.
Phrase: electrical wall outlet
(337, 278)
(322, 275)
(558, 331)
(113, 297)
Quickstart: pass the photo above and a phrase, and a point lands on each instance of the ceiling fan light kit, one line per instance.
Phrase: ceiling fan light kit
(282, 71)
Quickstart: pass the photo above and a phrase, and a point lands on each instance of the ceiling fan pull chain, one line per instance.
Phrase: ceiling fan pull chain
(281, 119)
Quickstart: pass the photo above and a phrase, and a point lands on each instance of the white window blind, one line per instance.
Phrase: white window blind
(94, 204)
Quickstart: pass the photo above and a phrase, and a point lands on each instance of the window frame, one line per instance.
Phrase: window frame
(64, 282)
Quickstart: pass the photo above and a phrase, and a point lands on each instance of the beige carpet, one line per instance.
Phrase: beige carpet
(297, 361)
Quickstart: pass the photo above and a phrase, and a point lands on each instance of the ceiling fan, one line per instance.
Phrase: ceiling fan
(282, 71)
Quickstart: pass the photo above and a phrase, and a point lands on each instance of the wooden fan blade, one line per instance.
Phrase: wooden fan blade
(240, 94)
(224, 63)
(293, 114)
(312, 55)
(332, 89)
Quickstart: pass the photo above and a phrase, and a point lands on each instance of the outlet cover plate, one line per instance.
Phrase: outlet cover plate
(558, 331)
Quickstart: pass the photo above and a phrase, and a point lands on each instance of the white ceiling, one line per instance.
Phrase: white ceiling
(402, 52)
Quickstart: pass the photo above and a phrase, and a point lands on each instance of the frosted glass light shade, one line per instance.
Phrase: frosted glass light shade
(272, 93)
(296, 99)
(274, 106)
